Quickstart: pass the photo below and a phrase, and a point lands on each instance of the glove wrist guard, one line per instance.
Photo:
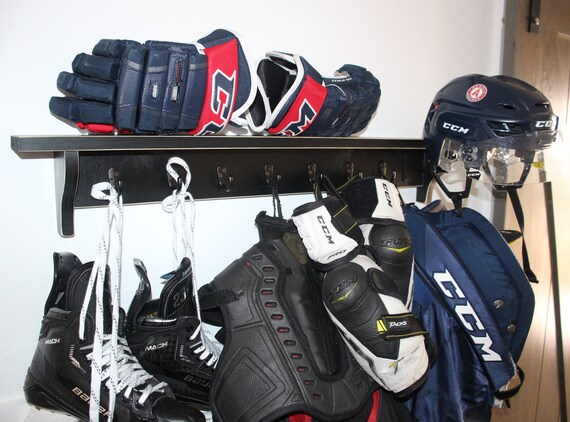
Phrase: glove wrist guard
(329, 232)
(294, 99)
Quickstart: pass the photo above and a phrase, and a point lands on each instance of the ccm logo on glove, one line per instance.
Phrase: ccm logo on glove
(325, 229)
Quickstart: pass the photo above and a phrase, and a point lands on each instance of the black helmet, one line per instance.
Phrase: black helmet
(498, 128)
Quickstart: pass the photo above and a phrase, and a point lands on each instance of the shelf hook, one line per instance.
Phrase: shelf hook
(312, 170)
(349, 167)
(383, 167)
(225, 181)
(114, 176)
(271, 178)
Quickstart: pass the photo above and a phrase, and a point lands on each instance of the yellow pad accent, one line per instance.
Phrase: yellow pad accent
(344, 296)
(380, 326)
(399, 250)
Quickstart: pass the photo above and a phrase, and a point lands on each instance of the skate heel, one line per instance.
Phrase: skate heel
(38, 396)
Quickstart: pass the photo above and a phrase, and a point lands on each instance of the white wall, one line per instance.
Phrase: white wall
(413, 47)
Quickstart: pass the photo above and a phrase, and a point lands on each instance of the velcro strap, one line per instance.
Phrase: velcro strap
(343, 220)
(214, 300)
(397, 326)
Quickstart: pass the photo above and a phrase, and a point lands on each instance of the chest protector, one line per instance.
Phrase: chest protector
(282, 355)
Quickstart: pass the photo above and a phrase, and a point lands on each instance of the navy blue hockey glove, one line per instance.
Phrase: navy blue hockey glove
(294, 99)
(361, 299)
(157, 87)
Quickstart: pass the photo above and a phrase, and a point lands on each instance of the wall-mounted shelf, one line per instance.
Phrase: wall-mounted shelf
(81, 161)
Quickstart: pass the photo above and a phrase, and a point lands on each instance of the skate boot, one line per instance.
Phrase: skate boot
(59, 376)
(164, 334)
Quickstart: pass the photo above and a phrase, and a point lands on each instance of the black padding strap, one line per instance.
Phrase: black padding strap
(511, 392)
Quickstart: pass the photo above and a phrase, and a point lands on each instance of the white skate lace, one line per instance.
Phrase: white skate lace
(111, 359)
(176, 204)
(130, 373)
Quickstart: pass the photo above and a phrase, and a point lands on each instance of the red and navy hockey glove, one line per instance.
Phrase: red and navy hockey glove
(157, 87)
(294, 99)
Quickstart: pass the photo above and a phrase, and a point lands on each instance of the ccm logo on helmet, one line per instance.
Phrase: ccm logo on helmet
(455, 128)
(544, 123)
(467, 315)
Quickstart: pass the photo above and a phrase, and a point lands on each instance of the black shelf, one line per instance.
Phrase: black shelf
(80, 161)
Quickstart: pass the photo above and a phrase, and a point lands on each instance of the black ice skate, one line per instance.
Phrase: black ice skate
(59, 376)
(165, 335)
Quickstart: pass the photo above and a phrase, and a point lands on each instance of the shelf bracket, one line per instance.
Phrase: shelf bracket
(66, 171)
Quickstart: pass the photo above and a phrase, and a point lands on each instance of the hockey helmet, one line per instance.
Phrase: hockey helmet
(500, 129)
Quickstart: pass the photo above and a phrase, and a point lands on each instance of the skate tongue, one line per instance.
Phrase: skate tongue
(77, 284)
(176, 298)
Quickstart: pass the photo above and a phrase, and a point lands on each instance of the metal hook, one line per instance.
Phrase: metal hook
(349, 168)
(312, 170)
(383, 167)
(225, 181)
(115, 180)
(271, 178)
(175, 184)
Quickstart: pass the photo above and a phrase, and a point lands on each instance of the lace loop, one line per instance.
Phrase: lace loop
(183, 234)
(112, 362)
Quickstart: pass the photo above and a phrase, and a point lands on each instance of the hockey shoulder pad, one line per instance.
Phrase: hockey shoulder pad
(294, 99)
(467, 265)
(156, 87)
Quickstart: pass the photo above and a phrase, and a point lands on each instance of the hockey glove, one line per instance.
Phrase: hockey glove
(294, 99)
(329, 232)
(362, 300)
(376, 205)
(157, 87)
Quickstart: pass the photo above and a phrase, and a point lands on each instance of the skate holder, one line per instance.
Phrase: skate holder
(222, 167)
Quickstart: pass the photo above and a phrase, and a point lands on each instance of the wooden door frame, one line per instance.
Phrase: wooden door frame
(517, 14)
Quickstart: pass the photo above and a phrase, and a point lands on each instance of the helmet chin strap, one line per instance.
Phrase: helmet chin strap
(512, 191)
(456, 197)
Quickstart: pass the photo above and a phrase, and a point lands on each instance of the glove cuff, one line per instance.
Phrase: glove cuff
(372, 199)
(329, 232)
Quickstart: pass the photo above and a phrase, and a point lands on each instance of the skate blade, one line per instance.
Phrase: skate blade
(36, 414)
